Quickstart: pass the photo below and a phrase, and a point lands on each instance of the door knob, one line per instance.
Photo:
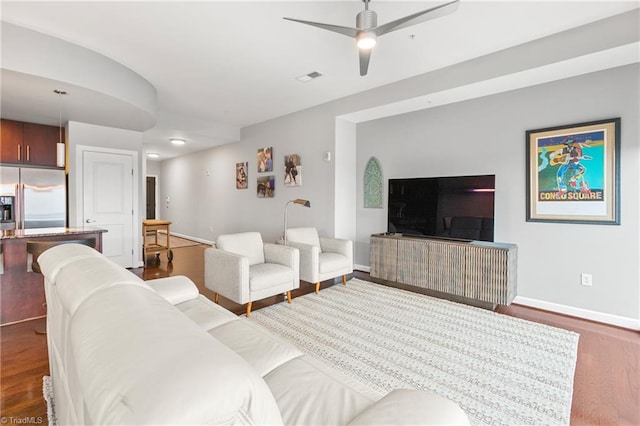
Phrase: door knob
(90, 221)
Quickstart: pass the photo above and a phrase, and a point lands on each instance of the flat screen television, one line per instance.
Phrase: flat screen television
(460, 207)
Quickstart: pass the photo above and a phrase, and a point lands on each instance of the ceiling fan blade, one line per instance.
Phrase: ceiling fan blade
(416, 18)
(364, 55)
(351, 32)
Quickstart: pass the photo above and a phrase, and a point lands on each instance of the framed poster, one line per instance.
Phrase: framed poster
(242, 179)
(292, 170)
(573, 173)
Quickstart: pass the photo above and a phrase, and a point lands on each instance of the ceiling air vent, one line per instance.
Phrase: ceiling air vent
(308, 77)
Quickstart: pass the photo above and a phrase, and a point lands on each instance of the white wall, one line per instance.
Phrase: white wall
(108, 138)
(93, 76)
(346, 177)
(153, 168)
(487, 136)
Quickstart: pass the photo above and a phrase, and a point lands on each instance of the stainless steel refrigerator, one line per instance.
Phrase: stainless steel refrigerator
(34, 198)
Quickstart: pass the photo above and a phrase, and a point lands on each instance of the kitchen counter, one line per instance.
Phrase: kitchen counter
(22, 289)
(48, 232)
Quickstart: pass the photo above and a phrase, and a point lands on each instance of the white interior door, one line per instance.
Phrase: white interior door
(108, 202)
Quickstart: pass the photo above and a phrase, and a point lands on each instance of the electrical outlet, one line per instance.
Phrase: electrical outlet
(586, 279)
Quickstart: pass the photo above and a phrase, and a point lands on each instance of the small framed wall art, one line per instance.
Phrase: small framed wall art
(266, 186)
(573, 173)
(292, 170)
(242, 178)
(265, 159)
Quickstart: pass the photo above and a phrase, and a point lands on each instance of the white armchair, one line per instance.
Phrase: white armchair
(242, 268)
(321, 258)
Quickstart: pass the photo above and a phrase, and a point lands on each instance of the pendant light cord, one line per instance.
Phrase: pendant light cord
(60, 94)
(60, 121)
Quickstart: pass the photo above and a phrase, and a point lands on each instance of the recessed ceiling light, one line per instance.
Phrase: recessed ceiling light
(177, 141)
(153, 155)
(308, 77)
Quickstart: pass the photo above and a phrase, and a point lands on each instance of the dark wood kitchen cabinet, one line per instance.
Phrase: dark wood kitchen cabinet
(11, 141)
(28, 143)
(21, 287)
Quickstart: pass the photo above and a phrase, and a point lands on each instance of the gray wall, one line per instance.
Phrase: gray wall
(205, 206)
(481, 136)
(204, 202)
(487, 136)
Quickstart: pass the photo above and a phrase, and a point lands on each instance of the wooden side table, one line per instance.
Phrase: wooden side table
(154, 225)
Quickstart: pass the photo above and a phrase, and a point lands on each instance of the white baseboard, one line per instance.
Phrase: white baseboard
(189, 237)
(624, 322)
(362, 268)
(618, 321)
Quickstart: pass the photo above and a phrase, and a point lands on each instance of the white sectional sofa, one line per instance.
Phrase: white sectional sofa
(125, 351)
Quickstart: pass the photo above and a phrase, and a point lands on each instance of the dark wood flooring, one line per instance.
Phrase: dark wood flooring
(606, 384)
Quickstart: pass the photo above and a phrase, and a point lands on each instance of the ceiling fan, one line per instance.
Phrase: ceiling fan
(367, 30)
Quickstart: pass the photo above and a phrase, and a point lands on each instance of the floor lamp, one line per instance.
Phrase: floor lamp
(299, 201)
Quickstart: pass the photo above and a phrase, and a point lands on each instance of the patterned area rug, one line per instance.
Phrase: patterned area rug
(499, 369)
(47, 394)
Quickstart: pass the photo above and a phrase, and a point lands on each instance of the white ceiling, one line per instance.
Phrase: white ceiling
(220, 66)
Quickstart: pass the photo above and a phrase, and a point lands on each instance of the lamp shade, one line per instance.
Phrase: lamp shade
(305, 203)
(60, 154)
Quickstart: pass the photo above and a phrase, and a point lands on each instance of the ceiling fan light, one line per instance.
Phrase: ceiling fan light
(366, 40)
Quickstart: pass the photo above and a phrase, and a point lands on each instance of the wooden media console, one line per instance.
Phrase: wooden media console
(476, 271)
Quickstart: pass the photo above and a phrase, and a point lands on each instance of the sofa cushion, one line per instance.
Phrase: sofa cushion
(141, 361)
(57, 257)
(247, 244)
(205, 313)
(176, 289)
(305, 236)
(77, 281)
(265, 351)
(266, 275)
(330, 262)
(309, 395)
(412, 407)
